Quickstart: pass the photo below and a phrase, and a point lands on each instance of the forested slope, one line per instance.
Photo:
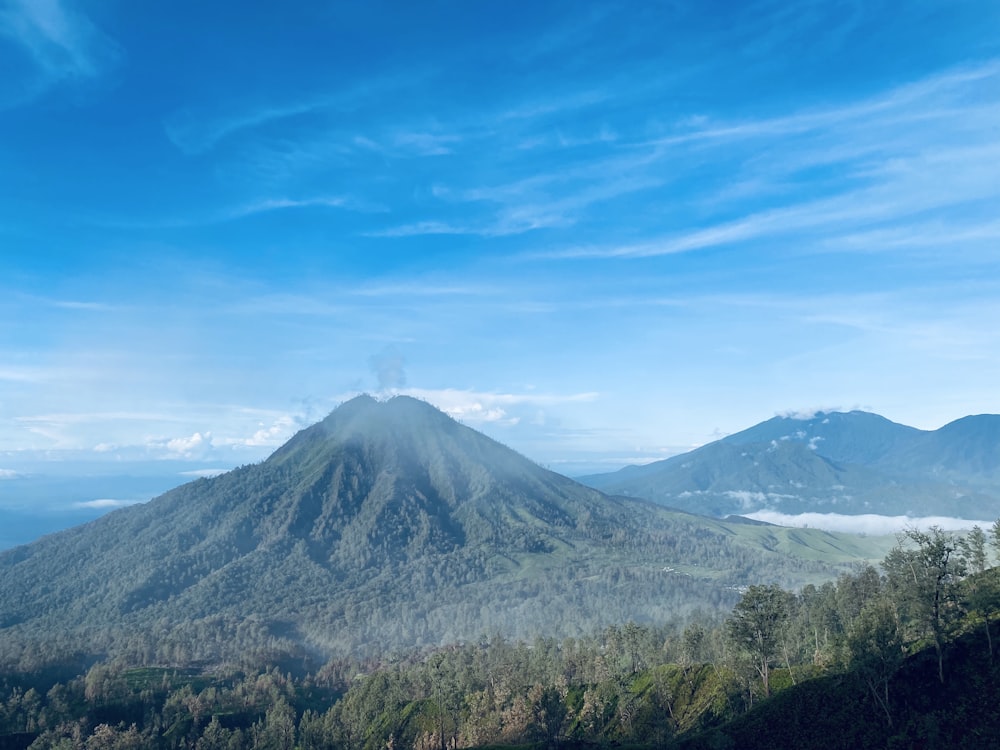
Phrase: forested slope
(862, 662)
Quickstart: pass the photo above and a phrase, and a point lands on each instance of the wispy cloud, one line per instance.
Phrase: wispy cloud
(195, 133)
(553, 200)
(425, 289)
(478, 407)
(266, 205)
(405, 144)
(935, 96)
(812, 412)
(198, 130)
(924, 147)
(61, 42)
(903, 188)
(424, 228)
(245, 210)
(71, 304)
(929, 234)
(892, 165)
(71, 431)
(105, 503)
(203, 473)
(291, 304)
(541, 109)
(265, 436)
(27, 373)
(277, 204)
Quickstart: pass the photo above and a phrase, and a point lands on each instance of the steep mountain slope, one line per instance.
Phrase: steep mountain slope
(836, 711)
(830, 462)
(855, 437)
(964, 451)
(387, 525)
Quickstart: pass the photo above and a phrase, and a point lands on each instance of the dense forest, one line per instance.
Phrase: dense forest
(896, 656)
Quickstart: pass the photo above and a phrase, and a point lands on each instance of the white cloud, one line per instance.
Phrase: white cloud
(72, 304)
(9, 474)
(276, 204)
(423, 289)
(105, 503)
(476, 413)
(200, 473)
(244, 210)
(478, 407)
(62, 43)
(808, 412)
(265, 436)
(919, 149)
(425, 144)
(868, 523)
(421, 228)
(196, 132)
(30, 374)
(187, 446)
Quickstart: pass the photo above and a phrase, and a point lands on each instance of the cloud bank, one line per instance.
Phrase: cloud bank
(868, 523)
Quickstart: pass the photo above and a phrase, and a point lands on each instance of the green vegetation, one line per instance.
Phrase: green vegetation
(870, 660)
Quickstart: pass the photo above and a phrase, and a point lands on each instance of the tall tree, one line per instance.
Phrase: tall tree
(755, 627)
(995, 538)
(876, 650)
(981, 590)
(924, 571)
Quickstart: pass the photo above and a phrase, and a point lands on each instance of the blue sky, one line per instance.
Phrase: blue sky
(599, 232)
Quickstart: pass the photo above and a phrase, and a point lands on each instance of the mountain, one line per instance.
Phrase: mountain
(964, 451)
(850, 463)
(387, 525)
(855, 437)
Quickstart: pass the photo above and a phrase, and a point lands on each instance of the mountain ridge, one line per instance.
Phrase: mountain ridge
(835, 462)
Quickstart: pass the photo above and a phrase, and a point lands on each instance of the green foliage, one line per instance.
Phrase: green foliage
(756, 627)
(924, 579)
(615, 686)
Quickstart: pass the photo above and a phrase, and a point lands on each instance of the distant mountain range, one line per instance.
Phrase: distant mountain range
(836, 462)
(387, 525)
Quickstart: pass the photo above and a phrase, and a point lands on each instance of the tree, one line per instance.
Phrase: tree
(876, 650)
(973, 547)
(980, 586)
(278, 730)
(106, 737)
(995, 537)
(755, 627)
(924, 581)
(548, 712)
(692, 646)
(215, 736)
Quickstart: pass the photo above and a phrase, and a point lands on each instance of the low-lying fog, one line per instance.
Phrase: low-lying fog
(868, 523)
